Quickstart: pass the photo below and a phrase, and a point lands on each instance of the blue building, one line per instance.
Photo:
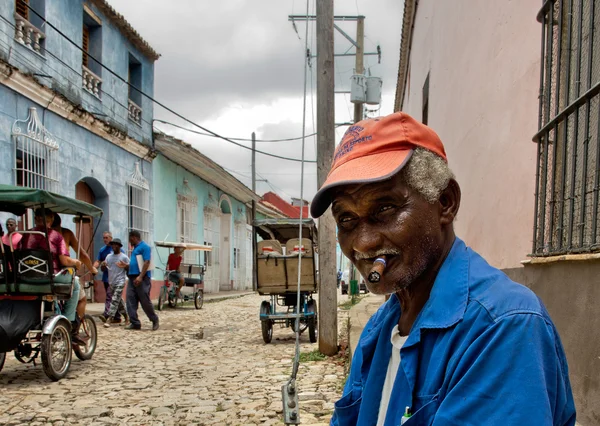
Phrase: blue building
(71, 119)
(198, 201)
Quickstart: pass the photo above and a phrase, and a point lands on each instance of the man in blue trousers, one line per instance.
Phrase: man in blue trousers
(138, 290)
(457, 343)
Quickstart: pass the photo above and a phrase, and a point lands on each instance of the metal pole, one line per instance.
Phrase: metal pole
(325, 146)
(360, 56)
(254, 283)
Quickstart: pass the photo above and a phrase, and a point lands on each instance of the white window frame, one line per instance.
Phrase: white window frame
(187, 224)
(138, 203)
(37, 151)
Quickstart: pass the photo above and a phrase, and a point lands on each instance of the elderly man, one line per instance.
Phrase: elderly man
(458, 343)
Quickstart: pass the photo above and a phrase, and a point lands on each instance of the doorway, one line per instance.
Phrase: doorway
(84, 230)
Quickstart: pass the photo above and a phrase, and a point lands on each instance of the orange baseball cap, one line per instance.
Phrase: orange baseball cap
(373, 150)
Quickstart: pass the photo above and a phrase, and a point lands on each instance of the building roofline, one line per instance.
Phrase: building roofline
(125, 27)
(188, 157)
(408, 20)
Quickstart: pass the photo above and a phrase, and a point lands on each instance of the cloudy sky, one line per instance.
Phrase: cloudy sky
(236, 66)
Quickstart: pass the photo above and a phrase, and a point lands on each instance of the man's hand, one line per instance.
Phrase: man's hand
(137, 281)
(94, 270)
(77, 264)
(121, 264)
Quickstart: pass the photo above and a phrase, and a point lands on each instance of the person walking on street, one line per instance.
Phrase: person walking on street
(138, 290)
(105, 251)
(117, 264)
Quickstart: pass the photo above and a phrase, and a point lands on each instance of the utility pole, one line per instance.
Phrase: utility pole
(360, 56)
(254, 284)
(328, 330)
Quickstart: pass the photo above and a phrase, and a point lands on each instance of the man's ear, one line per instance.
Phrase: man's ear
(449, 202)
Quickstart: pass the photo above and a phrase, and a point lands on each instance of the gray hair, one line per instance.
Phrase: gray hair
(427, 173)
(107, 233)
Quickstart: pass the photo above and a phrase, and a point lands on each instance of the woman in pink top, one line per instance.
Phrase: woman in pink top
(11, 232)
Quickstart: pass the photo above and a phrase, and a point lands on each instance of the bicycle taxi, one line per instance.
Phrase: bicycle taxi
(31, 324)
(193, 275)
(279, 257)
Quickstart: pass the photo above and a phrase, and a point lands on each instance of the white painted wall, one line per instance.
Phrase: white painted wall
(484, 63)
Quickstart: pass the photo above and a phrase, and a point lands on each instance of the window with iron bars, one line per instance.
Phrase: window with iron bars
(568, 140)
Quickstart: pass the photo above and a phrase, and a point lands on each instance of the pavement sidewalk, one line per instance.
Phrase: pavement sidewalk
(359, 316)
(98, 308)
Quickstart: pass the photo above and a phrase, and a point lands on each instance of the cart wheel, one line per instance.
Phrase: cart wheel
(161, 298)
(56, 351)
(2, 359)
(199, 299)
(266, 324)
(312, 321)
(89, 334)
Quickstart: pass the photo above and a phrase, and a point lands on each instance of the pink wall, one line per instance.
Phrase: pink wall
(484, 63)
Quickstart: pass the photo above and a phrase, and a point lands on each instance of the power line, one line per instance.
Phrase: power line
(154, 100)
(240, 145)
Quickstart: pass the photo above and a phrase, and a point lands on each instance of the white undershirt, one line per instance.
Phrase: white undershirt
(390, 376)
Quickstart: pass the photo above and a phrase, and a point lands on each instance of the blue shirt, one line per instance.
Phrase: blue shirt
(104, 251)
(144, 250)
(482, 351)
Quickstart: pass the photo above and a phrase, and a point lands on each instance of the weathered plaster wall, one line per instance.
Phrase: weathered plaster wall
(484, 65)
(83, 156)
(570, 291)
(168, 179)
(60, 67)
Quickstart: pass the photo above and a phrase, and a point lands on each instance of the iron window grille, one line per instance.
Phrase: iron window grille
(36, 154)
(138, 204)
(568, 140)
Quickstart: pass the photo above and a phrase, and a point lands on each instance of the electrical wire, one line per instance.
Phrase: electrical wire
(297, 351)
(243, 146)
(187, 120)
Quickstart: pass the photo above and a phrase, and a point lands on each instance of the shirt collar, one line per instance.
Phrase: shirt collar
(448, 299)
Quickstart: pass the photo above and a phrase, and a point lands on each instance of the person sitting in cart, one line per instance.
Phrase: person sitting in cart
(173, 265)
(60, 258)
(11, 234)
(117, 264)
(72, 242)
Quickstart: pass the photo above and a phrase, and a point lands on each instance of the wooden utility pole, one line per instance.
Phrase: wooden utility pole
(328, 330)
(360, 55)
(254, 284)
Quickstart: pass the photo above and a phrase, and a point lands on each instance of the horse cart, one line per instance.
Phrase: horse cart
(31, 294)
(281, 257)
(193, 276)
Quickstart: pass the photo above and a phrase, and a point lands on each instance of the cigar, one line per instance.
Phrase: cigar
(377, 269)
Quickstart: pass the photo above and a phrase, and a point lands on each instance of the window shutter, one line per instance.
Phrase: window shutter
(85, 45)
(21, 8)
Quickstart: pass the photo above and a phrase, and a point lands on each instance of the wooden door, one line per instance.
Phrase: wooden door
(84, 193)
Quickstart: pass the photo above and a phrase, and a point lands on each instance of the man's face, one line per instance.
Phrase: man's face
(133, 240)
(39, 220)
(11, 225)
(116, 248)
(107, 238)
(388, 218)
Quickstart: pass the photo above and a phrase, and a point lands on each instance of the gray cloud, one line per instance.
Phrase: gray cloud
(241, 53)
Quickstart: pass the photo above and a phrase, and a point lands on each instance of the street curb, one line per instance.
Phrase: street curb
(358, 317)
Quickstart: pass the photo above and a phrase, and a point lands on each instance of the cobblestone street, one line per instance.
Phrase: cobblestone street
(207, 366)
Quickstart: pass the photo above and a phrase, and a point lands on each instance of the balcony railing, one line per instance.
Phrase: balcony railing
(91, 82)
(28, 34)
(135, 112)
